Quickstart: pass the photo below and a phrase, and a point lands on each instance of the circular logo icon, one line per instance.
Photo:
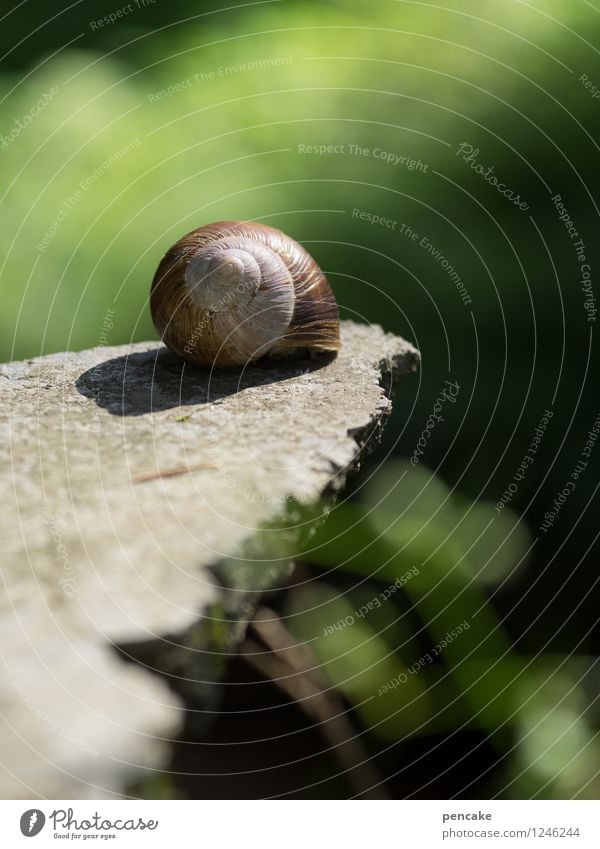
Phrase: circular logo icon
(32, 822)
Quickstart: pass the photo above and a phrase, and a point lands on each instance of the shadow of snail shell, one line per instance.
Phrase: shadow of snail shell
(231, 292)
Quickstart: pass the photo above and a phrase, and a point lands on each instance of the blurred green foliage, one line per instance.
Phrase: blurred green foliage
(412, 639)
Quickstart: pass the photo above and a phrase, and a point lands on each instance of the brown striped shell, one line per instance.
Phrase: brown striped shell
(231, 292)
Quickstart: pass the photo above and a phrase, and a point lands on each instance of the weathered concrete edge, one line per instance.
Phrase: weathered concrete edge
(236, 607)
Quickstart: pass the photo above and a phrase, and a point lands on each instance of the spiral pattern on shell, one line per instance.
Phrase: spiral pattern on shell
(231, 292)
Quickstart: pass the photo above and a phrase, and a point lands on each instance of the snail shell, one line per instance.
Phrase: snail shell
(231, 292)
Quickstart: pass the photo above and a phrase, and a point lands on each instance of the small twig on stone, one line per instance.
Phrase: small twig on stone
(170, 473)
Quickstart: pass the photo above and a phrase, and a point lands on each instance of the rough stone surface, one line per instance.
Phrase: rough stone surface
(125, 475)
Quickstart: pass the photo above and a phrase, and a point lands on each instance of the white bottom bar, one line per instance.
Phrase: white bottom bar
(301, 824)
